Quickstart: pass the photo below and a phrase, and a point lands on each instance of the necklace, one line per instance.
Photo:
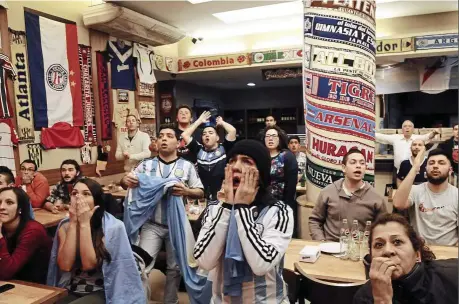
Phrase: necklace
(161, 172)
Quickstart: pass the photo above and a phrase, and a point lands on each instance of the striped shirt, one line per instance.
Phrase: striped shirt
(180, 168)
(264, 235)
(211, 165)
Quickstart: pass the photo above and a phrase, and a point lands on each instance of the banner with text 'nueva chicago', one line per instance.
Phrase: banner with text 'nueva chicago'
(339, 67)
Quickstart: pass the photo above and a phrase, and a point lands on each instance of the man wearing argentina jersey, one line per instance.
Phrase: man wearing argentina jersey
(250, 226)
(155, 231)
(211, 156)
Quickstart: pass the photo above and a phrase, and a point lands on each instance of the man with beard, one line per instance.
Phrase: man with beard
(407, 164)
(451, 147)
(432, 205)
(211, 156)
(59, 199)
(349, 198)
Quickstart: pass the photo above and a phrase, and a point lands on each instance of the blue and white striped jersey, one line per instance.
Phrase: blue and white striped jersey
(180, 168)
(264, 235)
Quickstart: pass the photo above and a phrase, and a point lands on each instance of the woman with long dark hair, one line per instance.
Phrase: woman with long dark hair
(403, 269)
(83, 257)
(284, 168)
(24, 245)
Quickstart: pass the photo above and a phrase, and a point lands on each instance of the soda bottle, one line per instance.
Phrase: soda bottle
(344, 239)
(354, 246)
(364, 247)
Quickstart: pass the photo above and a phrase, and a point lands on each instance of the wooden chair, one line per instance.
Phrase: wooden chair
(318, 291)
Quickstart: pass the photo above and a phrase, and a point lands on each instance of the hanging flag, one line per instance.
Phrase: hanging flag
(104, 97)
(84, 53)
(54, 69)
(22, 87)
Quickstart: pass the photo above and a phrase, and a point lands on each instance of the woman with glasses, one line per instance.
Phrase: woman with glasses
(91, 255)
(284, 168)
(24, 244)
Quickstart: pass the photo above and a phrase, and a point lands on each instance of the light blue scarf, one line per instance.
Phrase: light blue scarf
(141, 205)
(122, 281)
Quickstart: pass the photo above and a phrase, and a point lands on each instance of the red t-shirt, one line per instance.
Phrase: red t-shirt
(61, 135)
(28, 260)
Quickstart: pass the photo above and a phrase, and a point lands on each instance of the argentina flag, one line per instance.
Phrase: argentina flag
(54, 71)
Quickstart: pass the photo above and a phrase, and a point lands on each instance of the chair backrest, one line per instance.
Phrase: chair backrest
(320, 291)
(293, 284)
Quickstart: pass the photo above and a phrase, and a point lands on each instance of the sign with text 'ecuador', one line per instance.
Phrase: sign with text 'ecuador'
(212, 62)
(398, 45)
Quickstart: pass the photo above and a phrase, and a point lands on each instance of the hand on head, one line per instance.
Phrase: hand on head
(80, 211)
(246, 190)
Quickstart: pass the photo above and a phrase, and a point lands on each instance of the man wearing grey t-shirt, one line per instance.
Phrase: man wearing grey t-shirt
(433, 205)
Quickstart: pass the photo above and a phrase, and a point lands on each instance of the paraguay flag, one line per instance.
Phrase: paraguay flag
(54, 71)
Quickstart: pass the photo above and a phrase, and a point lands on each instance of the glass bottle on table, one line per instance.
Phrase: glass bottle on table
(344, 239)
(364, 245)
(354, 246)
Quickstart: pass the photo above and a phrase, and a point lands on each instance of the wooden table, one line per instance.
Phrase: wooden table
(31, 293)
(300, 189)
(330, 268)
(47, 218)
(119, 194)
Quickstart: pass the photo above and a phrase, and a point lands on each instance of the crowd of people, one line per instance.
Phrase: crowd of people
(246, 228)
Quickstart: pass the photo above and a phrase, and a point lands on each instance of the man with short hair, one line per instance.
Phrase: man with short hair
(34, 183)
(6, 177)
(134, 146)
(349, 198)
(59, 200)
(156, 231)
(294, 146)
(402, 143)
(451, 147)
(416, 146)
(432, 205)
(184, 119)
(269, 122)
(211, 156)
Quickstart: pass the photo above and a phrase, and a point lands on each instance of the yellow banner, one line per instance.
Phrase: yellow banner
(22, 94)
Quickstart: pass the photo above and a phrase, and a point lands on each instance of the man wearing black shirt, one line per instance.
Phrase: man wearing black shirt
(407, 164)
(451, 148)
(211, 156)
(184, 118)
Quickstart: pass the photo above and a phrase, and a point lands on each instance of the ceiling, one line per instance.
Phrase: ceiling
(197, 19)
(233, 78)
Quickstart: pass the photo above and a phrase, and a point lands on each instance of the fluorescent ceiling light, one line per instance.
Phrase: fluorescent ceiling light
(261, 12)
(198, 1)
(251, 84)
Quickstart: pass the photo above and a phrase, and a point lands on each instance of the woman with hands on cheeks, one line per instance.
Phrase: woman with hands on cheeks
(252, 225)
(404, 270)
(83, 258)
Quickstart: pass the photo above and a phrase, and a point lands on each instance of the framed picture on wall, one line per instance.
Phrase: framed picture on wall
(147, 109)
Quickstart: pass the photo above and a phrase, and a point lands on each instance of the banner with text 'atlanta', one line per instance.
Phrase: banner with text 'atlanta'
(54, 69)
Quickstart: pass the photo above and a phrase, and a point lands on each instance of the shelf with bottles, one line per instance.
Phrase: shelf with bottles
(235, 117)
(257, 116)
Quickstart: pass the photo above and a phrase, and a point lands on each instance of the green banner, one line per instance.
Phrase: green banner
(322, 177)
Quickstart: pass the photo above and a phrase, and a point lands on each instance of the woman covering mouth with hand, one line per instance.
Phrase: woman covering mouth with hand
(403, 269)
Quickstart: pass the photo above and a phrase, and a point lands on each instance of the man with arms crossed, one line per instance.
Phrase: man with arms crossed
(349, 198)
(432, 205)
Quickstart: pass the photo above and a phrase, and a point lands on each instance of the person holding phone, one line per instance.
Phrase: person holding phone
(403, 269)
(24, 244)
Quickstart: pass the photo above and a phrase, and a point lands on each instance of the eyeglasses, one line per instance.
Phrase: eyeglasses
(27, 169)
(271, 136)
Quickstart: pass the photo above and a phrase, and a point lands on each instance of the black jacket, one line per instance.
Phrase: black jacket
(448, 146)
(433, 282)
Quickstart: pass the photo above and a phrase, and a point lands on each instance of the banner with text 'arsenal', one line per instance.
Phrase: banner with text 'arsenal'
(339, 68)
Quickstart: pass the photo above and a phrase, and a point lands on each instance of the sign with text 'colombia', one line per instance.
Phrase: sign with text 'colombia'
(212, 62)
(339, 71)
